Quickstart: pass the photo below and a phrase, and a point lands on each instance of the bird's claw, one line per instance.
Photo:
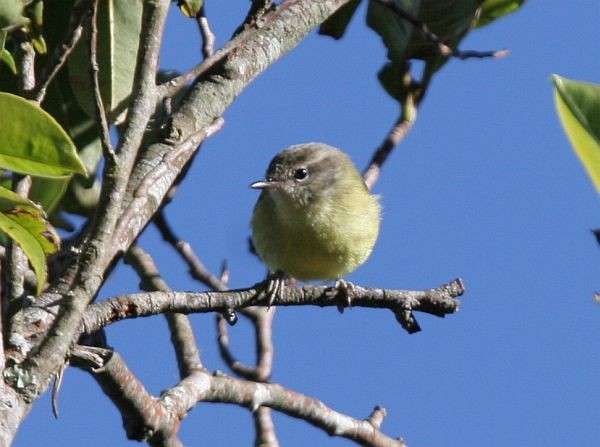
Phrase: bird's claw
(275, 287)
(343, 291)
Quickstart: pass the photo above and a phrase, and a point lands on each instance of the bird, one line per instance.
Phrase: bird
(315, 219)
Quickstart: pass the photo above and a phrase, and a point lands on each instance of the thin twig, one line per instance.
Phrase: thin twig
(58, 381)
(377, 416)
(262, 320)
(173, 85)
(265, 428)
(197, 269)
(257, 10)
(405, 122)
(107, 148)
(208, 37)
(182, 334)
(62, 51)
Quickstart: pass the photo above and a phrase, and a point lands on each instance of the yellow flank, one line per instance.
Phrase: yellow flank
(315, 218)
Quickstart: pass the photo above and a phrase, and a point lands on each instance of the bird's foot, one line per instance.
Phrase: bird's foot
(343, 291)
(275, 287)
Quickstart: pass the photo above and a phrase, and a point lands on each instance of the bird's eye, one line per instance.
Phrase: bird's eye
(301, 174)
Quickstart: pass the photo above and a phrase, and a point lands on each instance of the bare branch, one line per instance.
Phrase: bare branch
(107, 149)
(262, 319)
(264, 427)
(407, 118)
(200, 387)
(208, 38)
(157, 420)
(255, 14)
(26, 79)
(197, 268)
(157, 181)
(377, 416)
(142, 416)
(182, 334)
(62, 51)
(439, 301)
(96, 254)
(14, 272)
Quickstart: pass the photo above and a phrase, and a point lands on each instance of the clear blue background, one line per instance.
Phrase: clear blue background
(485, 187)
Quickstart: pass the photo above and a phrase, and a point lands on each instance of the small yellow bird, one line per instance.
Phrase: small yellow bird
(315, 219)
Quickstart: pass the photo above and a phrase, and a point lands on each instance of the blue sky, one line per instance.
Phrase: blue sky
(485, 187)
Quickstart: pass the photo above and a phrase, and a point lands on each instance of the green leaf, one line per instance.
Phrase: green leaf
(494, 9)
(448, 19)
(83, 193)
(5, 55)
(26, 224)
(7, 58)
(119, 25)
(11, 14)
(32, 142)
(578, 106)
(336, 24)
(35, 13)
(48, 191)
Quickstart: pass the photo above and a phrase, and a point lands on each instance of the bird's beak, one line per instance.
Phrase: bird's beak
(264, 184)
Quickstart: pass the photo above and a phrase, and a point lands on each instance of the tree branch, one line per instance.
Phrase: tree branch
(158, 420)
(201, 387)
(97, 253)
(197, 268)
(439, 301)
(208, 37)
(143, 417)
(182, 334)
(262, 321)
(408, 115)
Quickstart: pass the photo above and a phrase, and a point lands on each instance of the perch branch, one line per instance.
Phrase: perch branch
(439, 301)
